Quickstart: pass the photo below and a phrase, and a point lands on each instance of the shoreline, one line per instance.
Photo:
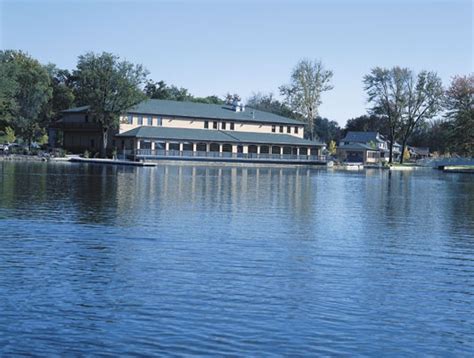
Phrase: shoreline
(106, 161)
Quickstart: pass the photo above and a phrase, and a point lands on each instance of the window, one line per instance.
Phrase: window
(86, 118)
(288, 129)
(232, 126)
(296, 130)
(223, 125)
(206, 124)
(140, 120)
(281, 129)
(130, 119)
(158, 121)
(150, 122)
(273, 129)
(214, 125)
(145, 144)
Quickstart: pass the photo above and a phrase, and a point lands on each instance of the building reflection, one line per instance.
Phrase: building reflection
(170, 191)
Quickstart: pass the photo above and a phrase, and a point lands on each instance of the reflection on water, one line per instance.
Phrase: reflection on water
(234, 260)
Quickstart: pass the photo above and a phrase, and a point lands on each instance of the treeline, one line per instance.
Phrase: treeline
(33, 95)
(406, 107)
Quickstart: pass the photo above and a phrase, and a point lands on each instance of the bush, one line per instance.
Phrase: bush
(58, 152)
(86, 154)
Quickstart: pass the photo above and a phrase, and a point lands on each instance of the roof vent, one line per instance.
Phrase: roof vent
(236, 103)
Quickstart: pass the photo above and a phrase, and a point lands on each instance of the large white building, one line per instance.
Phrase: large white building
(163, 129)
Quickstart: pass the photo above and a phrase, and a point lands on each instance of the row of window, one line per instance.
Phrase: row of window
(215, 147)
(144, 121)
(148, 121)
(215, 125)
(281, 129)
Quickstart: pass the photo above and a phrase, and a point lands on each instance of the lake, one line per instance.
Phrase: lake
(209, 260)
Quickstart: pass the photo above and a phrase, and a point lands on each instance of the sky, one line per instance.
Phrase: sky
(244, 47)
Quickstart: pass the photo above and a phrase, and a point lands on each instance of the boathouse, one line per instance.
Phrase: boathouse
(164, 129)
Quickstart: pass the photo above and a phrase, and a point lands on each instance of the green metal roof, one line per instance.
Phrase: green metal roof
(210, 135)
(159, 107)
(209, 111)
(357, 146)
(362, 137)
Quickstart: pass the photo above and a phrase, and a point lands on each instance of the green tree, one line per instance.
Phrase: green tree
(62, 93)
(209, 100)
(386, 91)
(160, 90)
(33, 91)
(8, 89)
(7, 135)
(109, 86)
(367, 123)
(267, 102)
(423, 100)
(327, 130)
(436, 135)
(460, 111)
(10, 135)
(309, 80)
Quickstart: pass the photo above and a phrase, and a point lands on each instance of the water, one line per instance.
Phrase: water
(183, 260)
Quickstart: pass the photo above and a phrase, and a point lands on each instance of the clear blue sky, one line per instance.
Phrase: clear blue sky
(213, 47)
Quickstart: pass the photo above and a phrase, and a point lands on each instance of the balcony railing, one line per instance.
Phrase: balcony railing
(185, 154)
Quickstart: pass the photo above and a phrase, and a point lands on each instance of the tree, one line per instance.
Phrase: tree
(8, 89)
(109, 86)
(62, 93)
(367, 123)
(460, 111)
(423, 100)
(303, 95)
(209, 100)
(386, 91)
(160, 90)
(7, 135)
(267, 102)
(406, 154)
(32, 91)
(327, 130)
(332, 148)
(436, 135)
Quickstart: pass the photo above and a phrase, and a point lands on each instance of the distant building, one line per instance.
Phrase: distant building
(358, 153)
(353, 144)
(160, 129)
(419, 152)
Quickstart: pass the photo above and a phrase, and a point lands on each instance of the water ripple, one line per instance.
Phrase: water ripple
(233, 261)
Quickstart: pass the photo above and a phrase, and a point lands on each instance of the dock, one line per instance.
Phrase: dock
(112, 162)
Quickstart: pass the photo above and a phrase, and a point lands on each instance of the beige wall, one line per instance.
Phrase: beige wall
(199, 124)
